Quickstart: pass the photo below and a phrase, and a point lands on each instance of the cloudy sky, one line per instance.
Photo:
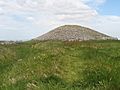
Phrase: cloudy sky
(26, 19)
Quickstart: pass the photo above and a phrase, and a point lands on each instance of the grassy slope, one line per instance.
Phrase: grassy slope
(56, 65)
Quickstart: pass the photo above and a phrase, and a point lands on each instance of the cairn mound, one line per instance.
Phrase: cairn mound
(73, 33)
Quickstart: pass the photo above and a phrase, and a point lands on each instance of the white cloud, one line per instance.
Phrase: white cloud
(58, 7)
(94, 2)
(39, 16)
(108, 24)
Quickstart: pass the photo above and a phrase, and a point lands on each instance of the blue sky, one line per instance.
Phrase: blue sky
(27, 19)
(111, 7)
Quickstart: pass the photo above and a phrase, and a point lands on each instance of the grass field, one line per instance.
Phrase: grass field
(57, 65)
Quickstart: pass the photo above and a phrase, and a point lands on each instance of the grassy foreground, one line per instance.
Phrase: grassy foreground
(56, 65)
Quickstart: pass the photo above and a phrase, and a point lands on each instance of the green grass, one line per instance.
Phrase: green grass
(57, 65)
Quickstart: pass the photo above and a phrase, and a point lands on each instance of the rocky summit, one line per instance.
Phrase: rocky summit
(74, 33)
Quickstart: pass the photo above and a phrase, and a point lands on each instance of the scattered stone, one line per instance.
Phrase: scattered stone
(10, 42)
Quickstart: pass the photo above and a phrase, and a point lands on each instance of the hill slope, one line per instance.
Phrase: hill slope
(57, 65)
(73, 33)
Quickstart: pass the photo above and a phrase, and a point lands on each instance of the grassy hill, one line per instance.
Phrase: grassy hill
(58, 65)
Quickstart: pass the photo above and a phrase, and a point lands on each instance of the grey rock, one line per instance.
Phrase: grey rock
(74, 33)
